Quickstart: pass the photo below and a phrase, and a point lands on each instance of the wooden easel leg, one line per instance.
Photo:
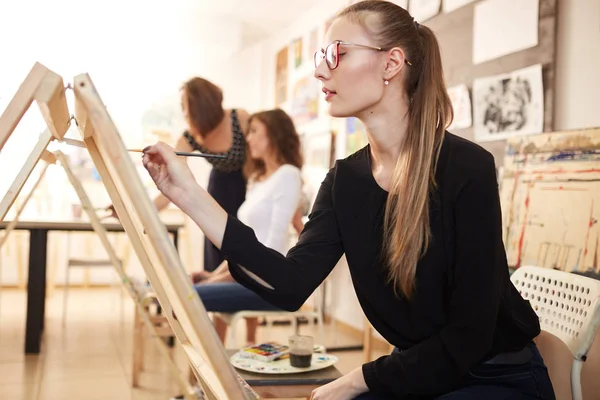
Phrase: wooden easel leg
(21, 101)
(138, 350)
(11, 226)
(47, 88)
(15, 188)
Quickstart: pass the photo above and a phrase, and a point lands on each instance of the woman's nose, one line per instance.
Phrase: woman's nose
(321, 71)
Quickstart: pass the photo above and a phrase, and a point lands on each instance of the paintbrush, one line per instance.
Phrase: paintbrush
(185, 154)
(79, 143)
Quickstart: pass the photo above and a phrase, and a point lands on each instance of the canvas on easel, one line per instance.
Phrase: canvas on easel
(549, 196)
(180, 302)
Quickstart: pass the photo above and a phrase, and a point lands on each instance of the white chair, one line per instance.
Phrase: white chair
(568, 306)
(316, 313)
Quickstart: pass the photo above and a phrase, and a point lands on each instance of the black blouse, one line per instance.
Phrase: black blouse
(464, 310)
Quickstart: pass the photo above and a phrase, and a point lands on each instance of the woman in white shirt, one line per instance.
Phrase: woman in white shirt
(272, 198)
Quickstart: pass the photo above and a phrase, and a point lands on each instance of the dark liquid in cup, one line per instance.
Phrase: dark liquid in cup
(300, 360)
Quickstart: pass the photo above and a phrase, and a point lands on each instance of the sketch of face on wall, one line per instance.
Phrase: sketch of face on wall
(516, 101)
(508, 105)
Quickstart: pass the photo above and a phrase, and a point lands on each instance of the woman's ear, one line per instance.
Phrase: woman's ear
(395, 61)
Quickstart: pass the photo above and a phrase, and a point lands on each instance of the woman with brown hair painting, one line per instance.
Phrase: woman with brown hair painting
(211, 129)
(417, 214)
(214, 130)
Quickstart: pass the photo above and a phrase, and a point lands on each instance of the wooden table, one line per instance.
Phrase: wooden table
(36, 281)
(286, 386)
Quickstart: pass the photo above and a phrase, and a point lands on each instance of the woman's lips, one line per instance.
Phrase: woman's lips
(328, 93)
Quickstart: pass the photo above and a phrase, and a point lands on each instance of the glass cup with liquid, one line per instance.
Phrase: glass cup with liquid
(301, 350)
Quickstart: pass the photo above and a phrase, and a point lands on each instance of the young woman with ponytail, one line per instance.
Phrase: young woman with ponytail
(417, 214)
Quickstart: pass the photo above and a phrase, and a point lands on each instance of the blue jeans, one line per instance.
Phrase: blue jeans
(527, 381)
(230, 297)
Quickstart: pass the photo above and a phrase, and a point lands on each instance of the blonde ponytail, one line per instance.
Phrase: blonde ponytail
(407, 230)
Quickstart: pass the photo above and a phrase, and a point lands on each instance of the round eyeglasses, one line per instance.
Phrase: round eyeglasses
(331, 54)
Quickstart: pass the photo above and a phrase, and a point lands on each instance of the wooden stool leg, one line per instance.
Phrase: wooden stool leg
(138, 349)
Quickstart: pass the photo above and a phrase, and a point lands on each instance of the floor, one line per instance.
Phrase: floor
(89, 356)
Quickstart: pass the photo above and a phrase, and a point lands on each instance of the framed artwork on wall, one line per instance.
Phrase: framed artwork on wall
(281, 76)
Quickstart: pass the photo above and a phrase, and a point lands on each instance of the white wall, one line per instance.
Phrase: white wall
(578, 65)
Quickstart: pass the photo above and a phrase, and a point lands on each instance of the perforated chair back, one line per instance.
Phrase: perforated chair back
(568, 306)
(564, 302)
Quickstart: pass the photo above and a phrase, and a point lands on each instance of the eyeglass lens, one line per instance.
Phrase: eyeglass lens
(331, 56)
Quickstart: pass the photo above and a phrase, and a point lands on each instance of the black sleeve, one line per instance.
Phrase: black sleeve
(436, 364)
(294, 277)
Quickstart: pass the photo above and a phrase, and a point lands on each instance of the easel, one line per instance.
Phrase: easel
(148, 235)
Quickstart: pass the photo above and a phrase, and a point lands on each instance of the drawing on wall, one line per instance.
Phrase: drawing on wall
(356, 136)
(461, 104)
(297, 52)
(492, 39)
(550, 200)
(422, 10)
(305, 100)
(509, 104)
(451, 5)
(281, 76)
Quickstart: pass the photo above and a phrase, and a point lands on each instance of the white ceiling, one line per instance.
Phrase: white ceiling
(260, 18)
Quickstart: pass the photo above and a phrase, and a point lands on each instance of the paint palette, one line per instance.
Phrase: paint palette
(265, 351)
(281, 366)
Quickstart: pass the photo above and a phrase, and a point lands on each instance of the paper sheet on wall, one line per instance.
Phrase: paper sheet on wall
(508, 105)
(451, 5)
(422, 10)
(502, 27)
(461, 104)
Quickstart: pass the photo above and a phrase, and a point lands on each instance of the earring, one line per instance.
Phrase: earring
(386, 82)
